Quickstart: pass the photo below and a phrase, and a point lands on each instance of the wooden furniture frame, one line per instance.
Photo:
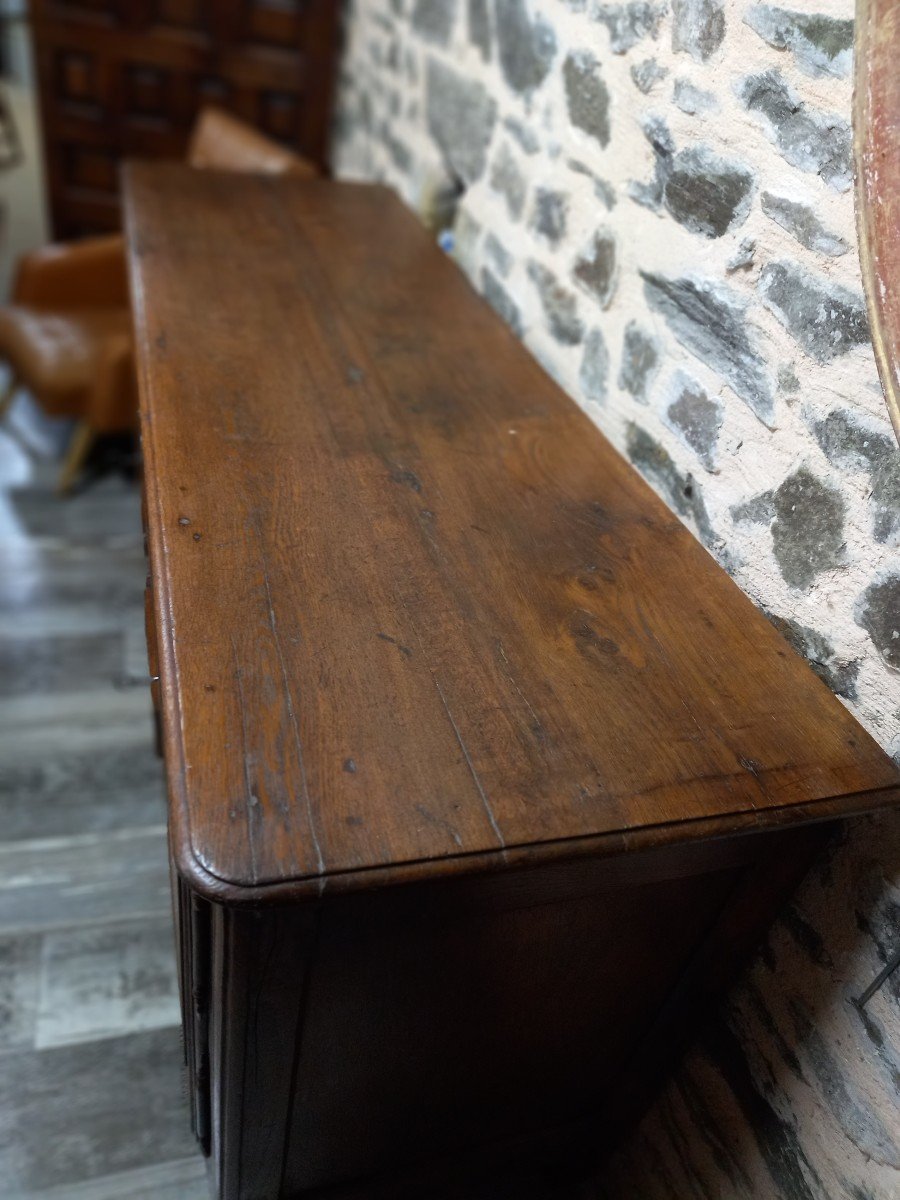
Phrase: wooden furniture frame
(876, 124)
(127, 77)
(484, 777)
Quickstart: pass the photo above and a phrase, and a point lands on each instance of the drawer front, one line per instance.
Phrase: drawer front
(153, 662)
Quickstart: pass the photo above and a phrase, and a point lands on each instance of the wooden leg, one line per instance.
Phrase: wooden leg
(9, 392)
(79, 448)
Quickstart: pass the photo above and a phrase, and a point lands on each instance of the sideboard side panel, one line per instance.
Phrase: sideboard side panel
(453, 1033)
(262, 961)
(432, 1029)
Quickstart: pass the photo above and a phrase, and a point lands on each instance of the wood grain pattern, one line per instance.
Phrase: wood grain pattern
(414, 609)
(876, 122)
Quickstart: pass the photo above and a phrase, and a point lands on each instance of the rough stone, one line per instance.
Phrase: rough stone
(816, 142)
(787, 379)
(433, 20)
(399, 152)
(693, 100)
(825, 319)
(595, 270)
(839, 673)
(508, 180)
(605, 194)
(501, 301)
(594, 374)
(743, 257)
(559, 304)
(878, 612)
(698, 27)
(640, 361)
(376, 53)
(466, 234)
(587, 96)
(525, 136)
(526, 47)
(461, 119)
(709, 321)
(498, 254)
(821, 45)
(707, 193)
(629, 24)
(480, 27)
(602, 189)
(850, 444)
(550, 216)
(758, 510)
(682, 492)
(647, 74)
(695, 417)
(808, 530)
(803, 224)
(657, 133)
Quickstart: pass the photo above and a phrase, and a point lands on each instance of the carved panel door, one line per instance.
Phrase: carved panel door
(126, 77)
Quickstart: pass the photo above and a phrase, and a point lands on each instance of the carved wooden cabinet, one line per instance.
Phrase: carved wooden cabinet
(127, 77)
(484, 777)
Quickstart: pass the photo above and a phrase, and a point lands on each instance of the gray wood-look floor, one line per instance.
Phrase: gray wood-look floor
(91, 1090)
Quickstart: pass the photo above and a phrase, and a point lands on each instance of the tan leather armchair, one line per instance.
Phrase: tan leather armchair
(66, 335)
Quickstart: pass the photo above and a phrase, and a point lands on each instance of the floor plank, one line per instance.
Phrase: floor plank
(83, 880)
(79, 1112)
(19, 970)
(71, 578)
(109, 512)
(92, 790)
(183, 1180)
(91, 1103)
(106, 981)
(60, 662)
(64, 723)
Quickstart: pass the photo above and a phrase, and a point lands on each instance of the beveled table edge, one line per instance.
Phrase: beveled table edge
(207, 884)
(601, 846)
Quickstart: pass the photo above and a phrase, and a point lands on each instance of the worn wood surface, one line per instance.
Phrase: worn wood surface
(876, 121)
(414, 612)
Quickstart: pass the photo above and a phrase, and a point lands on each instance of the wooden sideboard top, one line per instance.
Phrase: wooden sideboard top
(417, 616)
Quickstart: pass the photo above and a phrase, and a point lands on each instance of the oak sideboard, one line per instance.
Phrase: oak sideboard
(484, 776)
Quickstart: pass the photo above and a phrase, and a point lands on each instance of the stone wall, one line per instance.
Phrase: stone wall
(659, 201)
(657, 198)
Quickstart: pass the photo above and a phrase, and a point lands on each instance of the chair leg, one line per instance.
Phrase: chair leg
(79, 448)
(6, 398)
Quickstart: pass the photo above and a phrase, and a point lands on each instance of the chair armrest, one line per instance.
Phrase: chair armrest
(73, 275)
